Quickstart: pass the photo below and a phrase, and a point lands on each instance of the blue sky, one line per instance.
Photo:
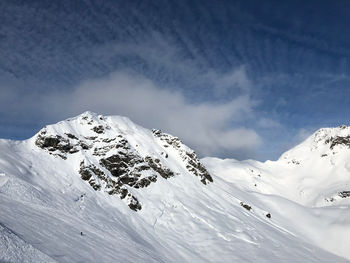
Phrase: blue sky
(241, 79)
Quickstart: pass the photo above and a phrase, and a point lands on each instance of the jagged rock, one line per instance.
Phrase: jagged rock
(87, 173)
(112, 187)
(47, 142)
(339, 140)
(157, 166)
(134, 204)
(248, 207)
(144, 182)
(101, 151)
(193, 164)
(71, 136)
(54, 143)
(127, 168)
(84, 146)
(98, 129)
(92, 138)
(121, 163)
(108, 140)
(344, 194)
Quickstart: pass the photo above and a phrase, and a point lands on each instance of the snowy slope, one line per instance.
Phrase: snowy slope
(103, 189)
(309, 186)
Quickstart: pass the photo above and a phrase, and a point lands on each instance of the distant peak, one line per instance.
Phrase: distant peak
(323, 142)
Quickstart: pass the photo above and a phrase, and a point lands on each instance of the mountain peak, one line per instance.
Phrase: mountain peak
(323, 142)
(115, 155)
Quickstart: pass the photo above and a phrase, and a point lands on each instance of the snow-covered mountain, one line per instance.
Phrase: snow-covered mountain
(103, 189)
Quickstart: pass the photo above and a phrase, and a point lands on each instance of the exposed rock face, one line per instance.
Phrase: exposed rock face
(334, 136)
(110, 163)
(55, 144)
(189, 156)
(246, 206)
(89, 173)
(344, 194)
(96, 177)
(157, 166)
(124, 167)
(71, 136)
(98, 129)
(339, 140)
(127, 169)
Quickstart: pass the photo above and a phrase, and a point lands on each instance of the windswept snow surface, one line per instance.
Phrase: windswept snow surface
(284, 211)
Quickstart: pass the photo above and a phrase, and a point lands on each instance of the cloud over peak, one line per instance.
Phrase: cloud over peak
(210, 128)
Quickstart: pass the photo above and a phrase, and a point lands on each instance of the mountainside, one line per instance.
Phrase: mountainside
(115, 153)
(314, 179)
(103, 189)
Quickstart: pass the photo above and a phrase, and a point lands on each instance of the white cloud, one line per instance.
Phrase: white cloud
(236, 80)
(211, 128)
(207, 127)
(268, 123)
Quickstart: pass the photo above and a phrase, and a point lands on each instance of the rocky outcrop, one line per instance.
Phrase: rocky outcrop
(246, 206)
(59, 145)
(98, 129)
(55, 144)
(338, 140)
(127, 169)
(96, 178)
(344, 194)
(158, 167)
(190, 158)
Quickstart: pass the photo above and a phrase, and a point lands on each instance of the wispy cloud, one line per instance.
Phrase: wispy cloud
(158, 84)
(174, 63)
(268, 123)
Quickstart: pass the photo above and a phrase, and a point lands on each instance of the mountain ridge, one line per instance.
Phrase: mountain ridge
(62, 193)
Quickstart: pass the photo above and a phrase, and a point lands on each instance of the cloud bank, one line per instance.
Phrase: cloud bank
(210, 128)
(207, 108)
